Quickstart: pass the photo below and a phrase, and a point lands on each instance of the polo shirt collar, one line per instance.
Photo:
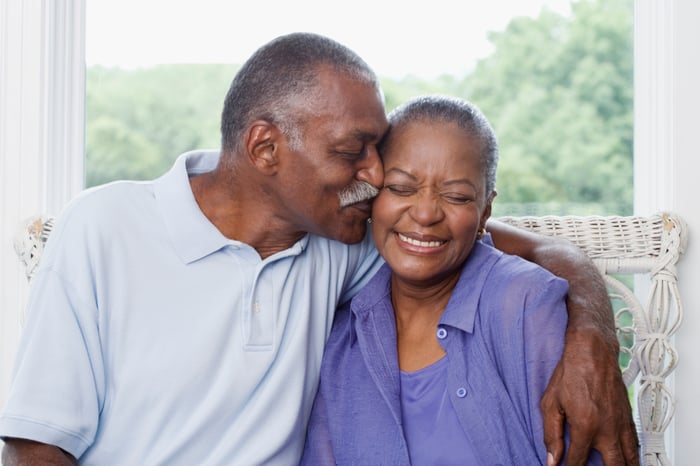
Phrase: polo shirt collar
(378, 289)
(190, 231)
(464, 302)
(185, 221)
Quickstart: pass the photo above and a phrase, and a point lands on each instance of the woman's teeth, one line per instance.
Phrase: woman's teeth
(415, 242)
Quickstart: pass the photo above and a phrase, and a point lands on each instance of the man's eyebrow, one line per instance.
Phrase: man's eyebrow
(365, 136)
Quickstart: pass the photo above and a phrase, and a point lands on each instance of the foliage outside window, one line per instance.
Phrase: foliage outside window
(557, 89)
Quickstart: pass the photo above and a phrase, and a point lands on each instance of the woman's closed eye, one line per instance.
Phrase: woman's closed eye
(457, 198)
(400, 190)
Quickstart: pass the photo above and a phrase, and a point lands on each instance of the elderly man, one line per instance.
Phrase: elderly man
(183, 320)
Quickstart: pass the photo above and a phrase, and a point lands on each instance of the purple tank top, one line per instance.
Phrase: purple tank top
(433, 432)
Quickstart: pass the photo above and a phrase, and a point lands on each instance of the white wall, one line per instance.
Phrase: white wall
(685, 193)
(42, 88)
(41, 133)
(667, 102)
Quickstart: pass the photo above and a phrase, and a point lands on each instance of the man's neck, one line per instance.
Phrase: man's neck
(242, 214)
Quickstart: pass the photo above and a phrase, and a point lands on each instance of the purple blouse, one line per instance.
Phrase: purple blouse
(503, 332)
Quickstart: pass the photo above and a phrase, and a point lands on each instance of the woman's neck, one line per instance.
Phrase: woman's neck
(417, 311)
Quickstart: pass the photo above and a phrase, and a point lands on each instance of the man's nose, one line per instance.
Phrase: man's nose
(371, 168)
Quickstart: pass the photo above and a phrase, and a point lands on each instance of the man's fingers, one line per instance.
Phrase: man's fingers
(612, 456)
(553, 423)
(619, 451)
(578, 450)
(630, 444)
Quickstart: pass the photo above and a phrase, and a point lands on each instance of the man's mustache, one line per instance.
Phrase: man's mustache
(359, 191)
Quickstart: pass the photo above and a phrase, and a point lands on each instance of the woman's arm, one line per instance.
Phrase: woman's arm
(586, 389)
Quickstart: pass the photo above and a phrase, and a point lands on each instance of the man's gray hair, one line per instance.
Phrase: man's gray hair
(279, 74)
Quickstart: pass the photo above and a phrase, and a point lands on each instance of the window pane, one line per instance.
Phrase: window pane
(554, 78)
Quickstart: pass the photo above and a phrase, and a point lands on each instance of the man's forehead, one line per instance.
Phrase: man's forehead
(367, 126)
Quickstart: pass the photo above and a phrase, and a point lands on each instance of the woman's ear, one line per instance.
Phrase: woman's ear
(486, 213)
(262, 144)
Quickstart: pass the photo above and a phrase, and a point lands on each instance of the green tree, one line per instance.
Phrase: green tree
(558, 91)
(139, 120)
(398, 91)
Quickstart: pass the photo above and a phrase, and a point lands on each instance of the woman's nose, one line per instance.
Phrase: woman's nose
(426, 208)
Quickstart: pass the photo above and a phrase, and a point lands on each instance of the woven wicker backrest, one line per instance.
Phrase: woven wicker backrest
(647, 311)
(637, 257)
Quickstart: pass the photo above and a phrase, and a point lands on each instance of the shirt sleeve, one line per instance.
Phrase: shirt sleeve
(55, 394)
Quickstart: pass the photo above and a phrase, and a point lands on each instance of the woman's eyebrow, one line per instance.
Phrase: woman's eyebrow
(400, 171)
(460, 181)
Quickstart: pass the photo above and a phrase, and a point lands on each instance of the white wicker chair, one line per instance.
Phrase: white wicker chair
(619, 246)
(649, 246)
(29, 242)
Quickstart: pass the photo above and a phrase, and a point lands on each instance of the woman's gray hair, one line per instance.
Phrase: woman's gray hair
(276, 76)
(467, 116)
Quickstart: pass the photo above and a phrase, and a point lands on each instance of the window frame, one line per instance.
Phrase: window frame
(42, 126)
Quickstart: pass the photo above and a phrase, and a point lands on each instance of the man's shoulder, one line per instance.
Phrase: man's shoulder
(514, 266)
(109, 201)
(103, 211)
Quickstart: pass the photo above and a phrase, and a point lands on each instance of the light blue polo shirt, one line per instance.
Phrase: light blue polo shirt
(152, 339)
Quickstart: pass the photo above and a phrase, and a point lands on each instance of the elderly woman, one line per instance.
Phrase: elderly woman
(445, 354)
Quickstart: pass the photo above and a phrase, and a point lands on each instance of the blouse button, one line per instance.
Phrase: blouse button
(461, 392)
(442, 333)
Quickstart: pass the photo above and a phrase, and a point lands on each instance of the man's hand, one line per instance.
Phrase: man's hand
(587, 392)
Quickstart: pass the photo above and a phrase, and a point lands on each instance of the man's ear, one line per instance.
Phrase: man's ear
(262, 146)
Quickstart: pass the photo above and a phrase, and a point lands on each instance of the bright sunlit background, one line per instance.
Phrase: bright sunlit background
(554, 77)
(397, 38)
